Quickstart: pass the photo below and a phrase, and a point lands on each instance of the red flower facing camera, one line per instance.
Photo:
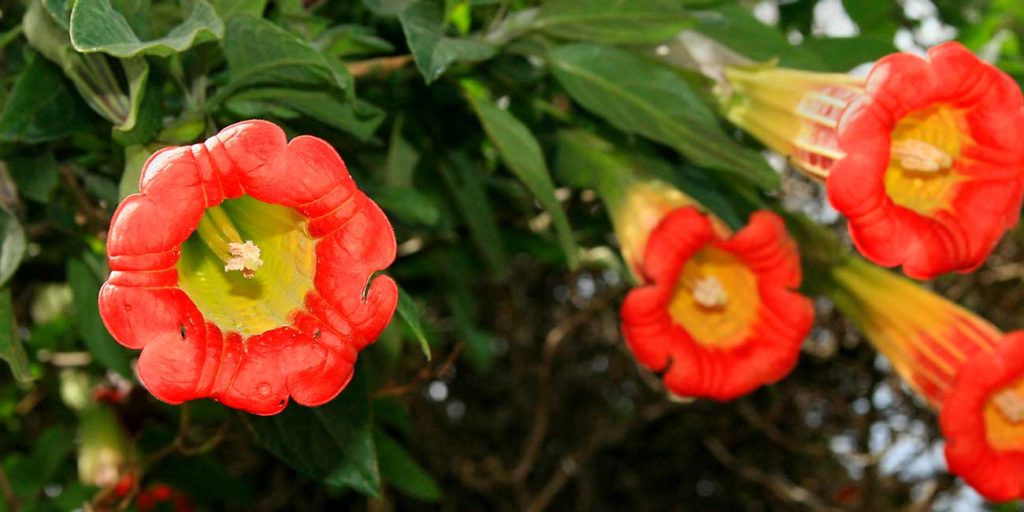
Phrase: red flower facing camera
(245, 271)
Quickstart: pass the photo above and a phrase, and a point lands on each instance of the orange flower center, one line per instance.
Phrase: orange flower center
(1004, 418)
(925, 145)
(254, 302)
(715, 299)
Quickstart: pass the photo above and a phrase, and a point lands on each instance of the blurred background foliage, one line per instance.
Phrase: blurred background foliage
(503, 383)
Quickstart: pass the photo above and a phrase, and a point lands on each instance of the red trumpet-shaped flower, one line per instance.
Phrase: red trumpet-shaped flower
(983, 421)
(244, 270)
(925, 337)
(718, 313)
(924, 157)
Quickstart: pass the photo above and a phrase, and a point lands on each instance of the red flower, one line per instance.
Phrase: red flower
(983, 421)
(925, 337)
(304, 301)
(149, 499)
(925, 157)
(719, 316)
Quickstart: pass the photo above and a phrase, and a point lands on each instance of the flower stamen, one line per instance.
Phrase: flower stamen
(917, 155)
(245, 257)
(1010, 405)
(709, 292)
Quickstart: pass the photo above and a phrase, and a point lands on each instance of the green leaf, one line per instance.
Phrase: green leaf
(613, 21)
(464, 181)
(85, 288)
(736, 27)
(41, 106)
(12, 244)
(402, 158)
(228, 8)
(97, 27)
(143, 117)
(640, 97)
(408, 205)
(332, 108)
(387, 7)
(841, 54)
(60, 10)
(351, 40)
(260, 53)
(402, 472)
(36, 175)
(11, 349)
(332, 443)
(522, 155)
(423, 24)
(409, 312)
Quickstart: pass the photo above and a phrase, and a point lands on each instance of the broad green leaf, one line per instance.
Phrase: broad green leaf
(736, 27)
(409, 312)
(260, 53)
(408, 205)
(464, 180)
(640, 97)
(228, 8)
(11, 349)
(36, 175)
(351, 40)
(332, 108)
(400, 470)
(423, 24)
(522, 155)
(332, 443)
(12, 244)
(85, 288)
(613, 21)
(41, 106)
(97, 27)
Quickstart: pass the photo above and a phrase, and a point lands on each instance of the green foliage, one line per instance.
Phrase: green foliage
(332, 443)
(640, 98)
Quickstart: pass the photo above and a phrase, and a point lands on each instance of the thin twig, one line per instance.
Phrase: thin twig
(5, 486)
(541, 416)
(426, 374)
(379, 67)
(779, 486)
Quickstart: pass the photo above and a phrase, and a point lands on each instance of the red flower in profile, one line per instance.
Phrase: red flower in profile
(925, 337)
(244, 270)
(924, 157)
(720, 315)
(983, 421)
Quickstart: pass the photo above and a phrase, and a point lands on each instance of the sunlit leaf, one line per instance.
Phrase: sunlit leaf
(97, 27)
(644, 98)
